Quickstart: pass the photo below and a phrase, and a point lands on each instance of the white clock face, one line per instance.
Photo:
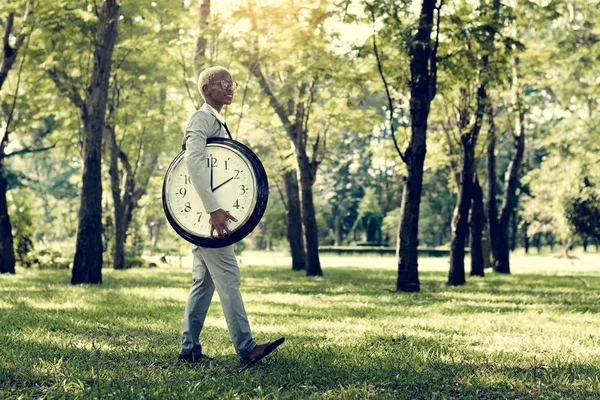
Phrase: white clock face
(233, 184)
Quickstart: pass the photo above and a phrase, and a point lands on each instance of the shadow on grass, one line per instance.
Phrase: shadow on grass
(405, 367)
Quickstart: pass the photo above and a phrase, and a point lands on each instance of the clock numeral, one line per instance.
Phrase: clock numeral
(182, 191)
(187, 207)
(243, 189)
(237, 173)
(186, 179)
(226, 163)
(199, 216)
(237, 204)
(211, 161)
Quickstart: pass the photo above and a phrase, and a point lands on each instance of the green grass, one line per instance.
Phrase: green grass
(529, 335)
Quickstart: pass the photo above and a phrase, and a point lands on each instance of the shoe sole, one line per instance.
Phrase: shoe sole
(268, 350)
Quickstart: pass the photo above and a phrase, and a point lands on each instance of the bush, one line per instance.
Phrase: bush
(239, 247)
(50, 259)
(135, 262)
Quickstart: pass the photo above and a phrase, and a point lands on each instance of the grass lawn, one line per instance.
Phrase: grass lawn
(535, 334)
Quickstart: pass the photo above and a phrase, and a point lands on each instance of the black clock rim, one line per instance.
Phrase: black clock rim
(262, 197)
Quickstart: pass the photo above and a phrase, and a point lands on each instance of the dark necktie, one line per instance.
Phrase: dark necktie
(227, 130)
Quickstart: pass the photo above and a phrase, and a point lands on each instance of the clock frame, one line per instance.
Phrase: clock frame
(250, 218)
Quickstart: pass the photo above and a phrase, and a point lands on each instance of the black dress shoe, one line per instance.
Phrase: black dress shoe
(260, 351)
(194, 358)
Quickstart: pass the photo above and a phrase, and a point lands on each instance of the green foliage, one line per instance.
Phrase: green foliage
(239, 247)
(583, 212)
(22, 221)
(135, 262)
(276, 219)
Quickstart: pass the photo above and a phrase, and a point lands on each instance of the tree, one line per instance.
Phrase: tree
(201, 44)
(302, 86)
(139, 118)
(469, 134)
(13, 39)
(87, 265)
(422, 53)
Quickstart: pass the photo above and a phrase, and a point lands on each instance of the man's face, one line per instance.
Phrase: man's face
(215, 89)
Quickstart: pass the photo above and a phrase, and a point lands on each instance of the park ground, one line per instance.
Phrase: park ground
(533, 334)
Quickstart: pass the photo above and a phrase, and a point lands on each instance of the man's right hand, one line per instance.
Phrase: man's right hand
(218, 222)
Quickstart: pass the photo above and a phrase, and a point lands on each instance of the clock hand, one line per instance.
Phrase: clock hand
(211, 179)
(228, 180)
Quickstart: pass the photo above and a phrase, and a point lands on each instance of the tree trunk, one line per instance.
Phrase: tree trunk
(87, 265)
(485, 242)
(423, 73)
(295, 235)
(119, 210)
(12, 43)
(337, 229)
(309, 220)
(200, 55)
(511, 181)
(526, 242)
(408, 241)
(514, 226)
(492, 205)
(460, 219)
(7, 250)
(477, 230)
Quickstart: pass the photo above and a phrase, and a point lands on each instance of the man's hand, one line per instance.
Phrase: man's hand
(218, 222)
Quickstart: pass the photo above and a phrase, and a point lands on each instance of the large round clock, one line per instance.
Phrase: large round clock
(239, 183)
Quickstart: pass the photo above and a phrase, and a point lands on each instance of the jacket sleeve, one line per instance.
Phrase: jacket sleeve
(196, 133)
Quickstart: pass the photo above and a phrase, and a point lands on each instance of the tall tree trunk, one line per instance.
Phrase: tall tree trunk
(477, 230)
(460, 222)
(485, 242)
(514, 225)
(511, 181)
(295, 234)
(7, 250)
(8, 57)
(119, 209)
(460, 219)
(492, 205)
(309, 219)
(423, 71)
(526, 241)
(200, 55)
(87, 265)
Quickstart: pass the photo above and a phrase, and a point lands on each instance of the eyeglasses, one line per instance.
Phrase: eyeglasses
(226, 84)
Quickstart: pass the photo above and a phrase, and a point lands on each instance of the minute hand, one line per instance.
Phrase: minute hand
(228, 180)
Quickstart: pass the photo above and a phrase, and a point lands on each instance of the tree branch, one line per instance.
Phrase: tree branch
(68, 88)
(385, 85)
(433, 62)
(28, 150)
(255, 70)
(185, 81)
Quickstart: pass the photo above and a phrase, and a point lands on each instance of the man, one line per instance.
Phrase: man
(215, 268)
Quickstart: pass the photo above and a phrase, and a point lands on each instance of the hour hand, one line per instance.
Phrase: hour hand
(211, 179)
(228, 180)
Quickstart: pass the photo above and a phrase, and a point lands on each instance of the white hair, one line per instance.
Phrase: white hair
(207, 75)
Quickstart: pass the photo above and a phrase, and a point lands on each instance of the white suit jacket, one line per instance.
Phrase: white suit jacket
(202, 125)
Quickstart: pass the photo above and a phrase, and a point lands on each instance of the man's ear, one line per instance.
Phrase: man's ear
(205, 89)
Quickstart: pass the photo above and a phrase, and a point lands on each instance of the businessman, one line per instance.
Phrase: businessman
(215, 267)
